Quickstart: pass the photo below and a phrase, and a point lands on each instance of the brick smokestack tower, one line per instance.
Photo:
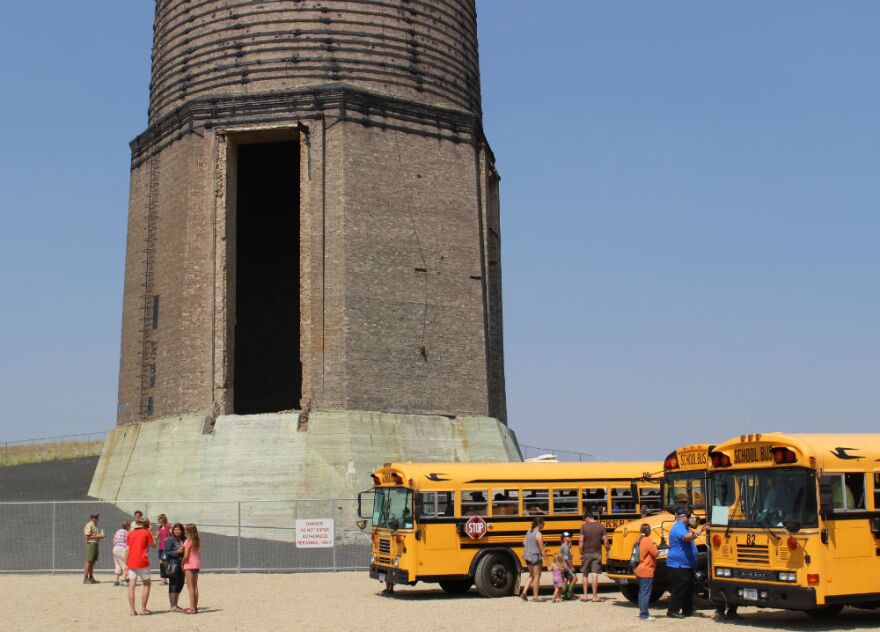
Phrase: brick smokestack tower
(313, 240)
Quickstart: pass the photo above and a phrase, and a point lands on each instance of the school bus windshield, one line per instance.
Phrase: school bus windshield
(764, 498)
(392, 508)
(684, 488)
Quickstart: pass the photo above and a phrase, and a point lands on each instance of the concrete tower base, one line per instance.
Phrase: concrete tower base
(256, 458)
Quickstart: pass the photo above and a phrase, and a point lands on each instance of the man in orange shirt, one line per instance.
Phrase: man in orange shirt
(645, 570)
(139, 540)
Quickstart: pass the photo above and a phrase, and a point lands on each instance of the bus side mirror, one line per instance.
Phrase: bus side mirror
(361, 524)
(826, 496)
(360, 504)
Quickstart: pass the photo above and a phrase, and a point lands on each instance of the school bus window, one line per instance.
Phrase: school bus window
(536, 502)
(649, 497)
(565, 501)
(877, 491)
(622, 500)
(474, 503)
(698, 494)
(595, 500)
(505, 502)
(435, 504)
(848, 491)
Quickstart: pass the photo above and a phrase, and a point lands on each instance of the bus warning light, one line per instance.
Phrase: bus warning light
(813, 579)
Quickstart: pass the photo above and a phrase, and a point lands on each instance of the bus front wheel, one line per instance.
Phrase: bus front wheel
(495, 576)
(456, 586)
(631, 592)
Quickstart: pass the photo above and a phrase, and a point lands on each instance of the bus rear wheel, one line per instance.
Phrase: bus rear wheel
(631, 592)
(825, 611)
(456, 586)
(495, 576)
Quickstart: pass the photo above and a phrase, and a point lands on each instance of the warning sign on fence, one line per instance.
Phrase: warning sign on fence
(314, 534)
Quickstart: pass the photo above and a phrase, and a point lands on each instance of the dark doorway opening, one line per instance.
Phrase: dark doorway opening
(267, 368)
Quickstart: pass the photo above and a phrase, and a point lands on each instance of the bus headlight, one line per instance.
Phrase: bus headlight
(722, 572)
(788, 577)
(396, 562)
(372, 559)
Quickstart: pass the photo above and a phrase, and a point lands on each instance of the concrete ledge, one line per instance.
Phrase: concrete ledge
(265, 458)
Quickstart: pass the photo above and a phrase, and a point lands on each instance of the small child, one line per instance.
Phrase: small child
(557, 570)
(568, 571)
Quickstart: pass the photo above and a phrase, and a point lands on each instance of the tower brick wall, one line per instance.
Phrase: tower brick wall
(399, 232)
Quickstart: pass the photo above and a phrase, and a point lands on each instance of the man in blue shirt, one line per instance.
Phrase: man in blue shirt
(681, 562)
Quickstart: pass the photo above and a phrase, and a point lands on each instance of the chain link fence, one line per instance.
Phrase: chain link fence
(253, 536)
(51, 448)
(568, 456)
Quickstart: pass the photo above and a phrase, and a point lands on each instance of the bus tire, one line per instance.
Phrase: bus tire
(495, 575)
(825, 611)
(631, 592)
(456, 586)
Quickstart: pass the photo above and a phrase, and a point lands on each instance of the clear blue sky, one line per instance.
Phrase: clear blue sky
(689, 199)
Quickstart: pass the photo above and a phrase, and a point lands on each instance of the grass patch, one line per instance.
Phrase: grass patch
(39, 452)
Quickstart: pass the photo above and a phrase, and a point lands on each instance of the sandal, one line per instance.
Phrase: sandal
(190, 611)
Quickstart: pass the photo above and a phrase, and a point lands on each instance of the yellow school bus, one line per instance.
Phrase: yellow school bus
(795, 521)
(683, 484)
(460, 524)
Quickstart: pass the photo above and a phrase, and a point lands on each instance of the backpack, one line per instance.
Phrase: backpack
(635, 557)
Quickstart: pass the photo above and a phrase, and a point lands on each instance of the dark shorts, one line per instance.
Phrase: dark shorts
(568, 574)
(91, 551)
(175, 582)
(534, 561)
(591, 563)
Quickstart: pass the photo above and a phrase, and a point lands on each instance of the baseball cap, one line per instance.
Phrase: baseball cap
(95, 515)
(683, 511)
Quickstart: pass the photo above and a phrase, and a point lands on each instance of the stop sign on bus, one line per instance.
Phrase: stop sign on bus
(475, 527)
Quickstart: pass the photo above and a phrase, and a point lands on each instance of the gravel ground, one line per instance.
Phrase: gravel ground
(348, 601)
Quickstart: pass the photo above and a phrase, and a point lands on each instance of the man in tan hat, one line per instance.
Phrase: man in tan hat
(93, 535)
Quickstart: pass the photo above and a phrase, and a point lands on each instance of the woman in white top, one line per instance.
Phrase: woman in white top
(120, 554)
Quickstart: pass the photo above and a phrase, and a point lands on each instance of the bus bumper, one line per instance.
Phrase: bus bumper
(740, 593)
(393, 575)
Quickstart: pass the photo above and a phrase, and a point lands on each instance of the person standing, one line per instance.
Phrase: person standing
(591, 540)
(173, 567)
(192, 565)
(139, 540)
(533, 552)
(93, 536)
(681, 563)
(645, 570)
(162, 534)
(137, 516)
(120, 554)
(568, 572)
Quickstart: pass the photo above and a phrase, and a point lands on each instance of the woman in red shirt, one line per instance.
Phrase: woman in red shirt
(645, 570)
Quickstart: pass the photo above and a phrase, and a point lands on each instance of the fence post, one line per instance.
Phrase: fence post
(238, 539)
(335, 535)
(54, 523)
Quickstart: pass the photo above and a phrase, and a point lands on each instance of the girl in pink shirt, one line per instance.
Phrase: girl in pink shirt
(192, 564)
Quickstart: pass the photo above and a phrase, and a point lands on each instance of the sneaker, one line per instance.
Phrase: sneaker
(674, 615)
(648, 618)
(86, 580)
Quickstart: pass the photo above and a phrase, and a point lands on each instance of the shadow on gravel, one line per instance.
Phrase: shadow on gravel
(849, 619)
